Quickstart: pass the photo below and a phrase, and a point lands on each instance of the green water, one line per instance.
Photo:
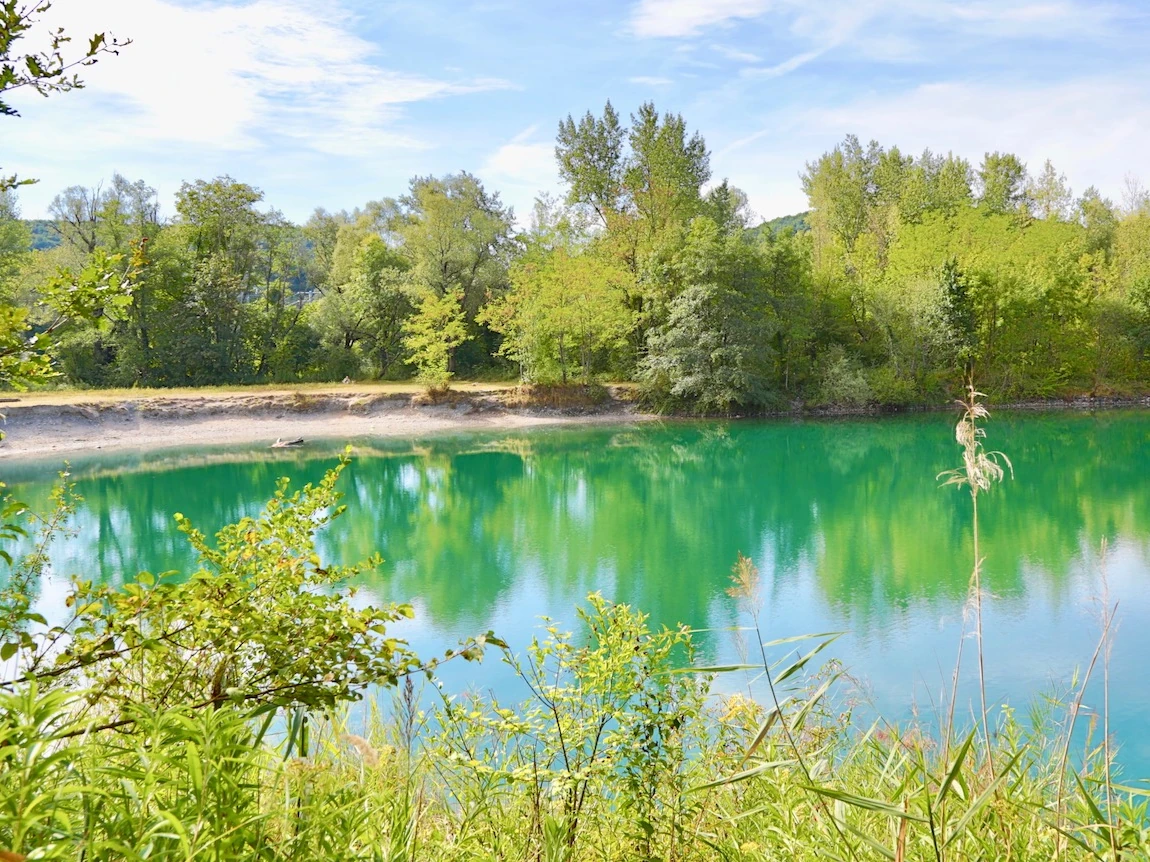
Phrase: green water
(844, 519)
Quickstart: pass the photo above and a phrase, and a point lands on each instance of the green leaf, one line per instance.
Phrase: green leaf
(798, 665)
(743, 776)
(195, 770)
(764, 728)
(719, 668)
(963, 750)
(982, 799)
(866, 804)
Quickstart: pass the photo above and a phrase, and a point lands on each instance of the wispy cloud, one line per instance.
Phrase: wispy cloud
(735, 54)
(236, 76)
(649, 81)
(520, 169)
(669, 18)
(1028, 18)
(788, 65)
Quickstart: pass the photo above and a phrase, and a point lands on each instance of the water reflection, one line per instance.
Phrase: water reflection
(845, 520)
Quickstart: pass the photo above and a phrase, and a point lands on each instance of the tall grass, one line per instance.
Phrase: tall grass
(623, 750)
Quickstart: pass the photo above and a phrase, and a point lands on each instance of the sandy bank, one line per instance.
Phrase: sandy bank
(34, 429)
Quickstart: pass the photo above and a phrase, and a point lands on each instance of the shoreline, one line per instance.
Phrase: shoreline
(36, 429)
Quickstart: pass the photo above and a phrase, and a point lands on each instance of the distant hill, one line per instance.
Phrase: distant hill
(44, 235)
(797, 222)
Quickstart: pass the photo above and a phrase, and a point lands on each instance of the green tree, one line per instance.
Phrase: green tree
(1100, 219)
(1049, 194)
(96, 296)
(76, 211)
(1002, 183)
(561, 311)
(715, 350)
(456, 235)
(15, 241)
(592, 161)
(432, 334)
(667, 169)
(728, 207)
(840, 188)
(368, 295)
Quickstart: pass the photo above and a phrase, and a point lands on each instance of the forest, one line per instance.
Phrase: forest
(908, 275)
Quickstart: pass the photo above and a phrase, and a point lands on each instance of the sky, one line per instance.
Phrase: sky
(332, 103)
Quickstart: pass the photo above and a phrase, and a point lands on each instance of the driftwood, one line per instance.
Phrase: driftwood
(283, 444)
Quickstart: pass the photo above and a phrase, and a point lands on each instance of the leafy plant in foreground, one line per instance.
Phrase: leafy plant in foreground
(262, 622)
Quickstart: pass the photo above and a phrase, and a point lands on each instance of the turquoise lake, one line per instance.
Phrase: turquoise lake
(845, 520)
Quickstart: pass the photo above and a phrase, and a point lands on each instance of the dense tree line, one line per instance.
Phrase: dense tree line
(908, 274)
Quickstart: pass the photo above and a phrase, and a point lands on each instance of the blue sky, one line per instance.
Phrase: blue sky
(336, 102)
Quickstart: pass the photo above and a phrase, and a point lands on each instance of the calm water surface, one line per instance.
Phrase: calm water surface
(845, 520)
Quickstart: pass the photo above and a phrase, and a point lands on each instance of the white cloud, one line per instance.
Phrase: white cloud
(736, 55)
(649, 81)
(832, 21)
(223, 78)
(1093, 129)
(788, 65)
(661, 18)
(520, 170)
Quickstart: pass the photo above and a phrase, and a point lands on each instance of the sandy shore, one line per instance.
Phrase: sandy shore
(37, 429)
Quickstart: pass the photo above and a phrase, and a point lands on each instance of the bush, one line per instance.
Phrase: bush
(890, 389)
(842, 382)
(84, 357)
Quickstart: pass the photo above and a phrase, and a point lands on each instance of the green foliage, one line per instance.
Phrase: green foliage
(1002, 183)
(907, 274)
(456, 236)
(591, 160)
(369, 296)
(715, 351)
(562, 311)
(843, 383)
(609, 723)
(432, 334)
(262, 622)
(619, 753)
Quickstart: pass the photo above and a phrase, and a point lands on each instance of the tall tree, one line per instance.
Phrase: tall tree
(1099, 217)
(952, 185)
(667, 168)
(15, 239)
(1002, 183)
(728, 207)
(715, 349)
(1049, 194)
(368, 295)
(130, 212)
(456, 234)
(561, 311)
(76, 211)
(840, 186)
(591, 161)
